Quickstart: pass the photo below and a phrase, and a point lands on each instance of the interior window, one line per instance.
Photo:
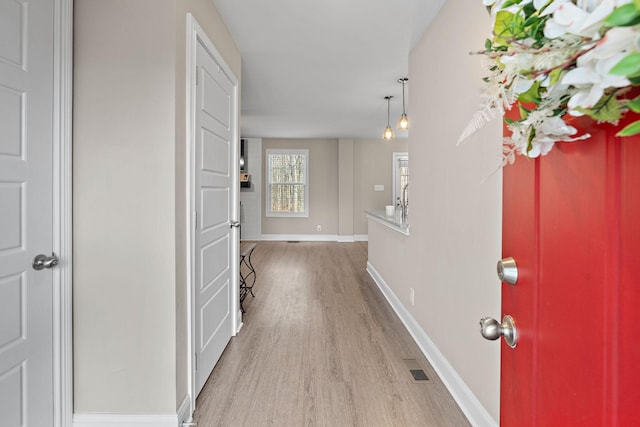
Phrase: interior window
(287, 183)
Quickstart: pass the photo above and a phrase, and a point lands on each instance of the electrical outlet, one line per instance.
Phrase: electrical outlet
(412, 296)
(318, 227)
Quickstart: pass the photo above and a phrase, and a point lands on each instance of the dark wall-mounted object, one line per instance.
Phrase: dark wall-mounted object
(245, 178)
(243, 159)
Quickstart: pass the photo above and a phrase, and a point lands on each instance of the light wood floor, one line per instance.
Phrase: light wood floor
(320, 346)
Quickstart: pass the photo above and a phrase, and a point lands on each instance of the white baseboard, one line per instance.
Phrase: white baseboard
(125, 420)
(301, 237)
(185, 411)
(353, 238)
(314, 238)
(464, 397)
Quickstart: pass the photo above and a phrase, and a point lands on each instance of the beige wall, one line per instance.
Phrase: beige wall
(130, 319)
(373, 164)
(450, 255)
(323, 189)
(124, 315)
(345, 188)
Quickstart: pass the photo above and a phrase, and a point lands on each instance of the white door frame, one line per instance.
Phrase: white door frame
(195, 33)
(62, 212)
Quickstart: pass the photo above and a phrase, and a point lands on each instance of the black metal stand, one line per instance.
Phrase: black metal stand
(247, 272)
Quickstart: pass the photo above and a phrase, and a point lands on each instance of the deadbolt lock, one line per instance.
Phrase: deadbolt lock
(508, 271)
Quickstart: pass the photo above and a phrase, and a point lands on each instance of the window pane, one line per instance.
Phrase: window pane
(287, 198)
(287, 182)
(287, 168)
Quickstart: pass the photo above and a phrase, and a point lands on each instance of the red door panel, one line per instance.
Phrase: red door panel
(519, 219)
(626, 398)
(571, 221)
(571, 331)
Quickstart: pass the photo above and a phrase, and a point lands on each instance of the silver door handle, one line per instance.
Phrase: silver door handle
(492, 330)
(235, 224)
(42, 261)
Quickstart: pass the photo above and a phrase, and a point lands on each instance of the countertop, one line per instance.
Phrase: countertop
(394, 222)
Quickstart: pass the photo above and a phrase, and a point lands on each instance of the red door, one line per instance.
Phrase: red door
(571, 221)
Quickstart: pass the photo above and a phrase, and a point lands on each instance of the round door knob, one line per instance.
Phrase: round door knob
(491, 329)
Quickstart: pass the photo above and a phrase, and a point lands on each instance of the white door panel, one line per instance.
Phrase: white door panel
(215, 152)
(26, 209)
(215, 102)
(212, 215)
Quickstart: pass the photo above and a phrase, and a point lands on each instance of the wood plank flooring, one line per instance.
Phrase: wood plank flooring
(320, 346)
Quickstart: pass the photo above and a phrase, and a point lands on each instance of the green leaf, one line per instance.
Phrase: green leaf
(528, 9)
(488, 44)
(637, 3)
(509, 121)
(524, 113)
(633, 76)
(623, 16)
(629, 65)
(508, 3)
(532, 95)
(606, 109)
(507, 26)
(634, 105)
(532, 135)
(554, 76)
(632, 129)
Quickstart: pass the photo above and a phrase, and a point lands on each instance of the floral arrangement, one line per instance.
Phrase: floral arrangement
(560, 59)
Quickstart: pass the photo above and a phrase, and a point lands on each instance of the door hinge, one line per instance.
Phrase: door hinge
(197, 76)
(196, 221)
(196, 360)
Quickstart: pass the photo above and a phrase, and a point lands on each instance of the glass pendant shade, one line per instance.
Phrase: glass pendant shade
(388, 133)
(403, 122)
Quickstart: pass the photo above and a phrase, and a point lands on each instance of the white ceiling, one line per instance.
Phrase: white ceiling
(321, 69)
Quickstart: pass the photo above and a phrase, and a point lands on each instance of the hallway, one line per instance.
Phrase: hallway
(320, 346)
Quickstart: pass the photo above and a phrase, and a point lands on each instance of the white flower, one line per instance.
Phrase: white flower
(552, 6)
(616, 40)
(584, 19)
(539, 147)
(556, 127)
(591, 75)
(549, 129)
(539, 3)
(567, 18)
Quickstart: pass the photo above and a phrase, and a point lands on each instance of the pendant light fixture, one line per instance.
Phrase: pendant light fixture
(388, 132)
(403, 122)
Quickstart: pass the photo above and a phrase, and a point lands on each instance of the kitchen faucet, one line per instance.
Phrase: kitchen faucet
(404, 205)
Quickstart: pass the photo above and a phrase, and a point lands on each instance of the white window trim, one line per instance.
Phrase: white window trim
(396, 190)
(268, 212)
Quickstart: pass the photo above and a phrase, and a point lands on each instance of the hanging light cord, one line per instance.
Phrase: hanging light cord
(403, 81)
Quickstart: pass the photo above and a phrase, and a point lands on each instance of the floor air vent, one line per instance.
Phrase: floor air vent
(293, 241)
(416, 371)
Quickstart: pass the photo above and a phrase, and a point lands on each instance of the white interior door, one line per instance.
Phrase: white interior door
(26, 144)
(214, 153)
